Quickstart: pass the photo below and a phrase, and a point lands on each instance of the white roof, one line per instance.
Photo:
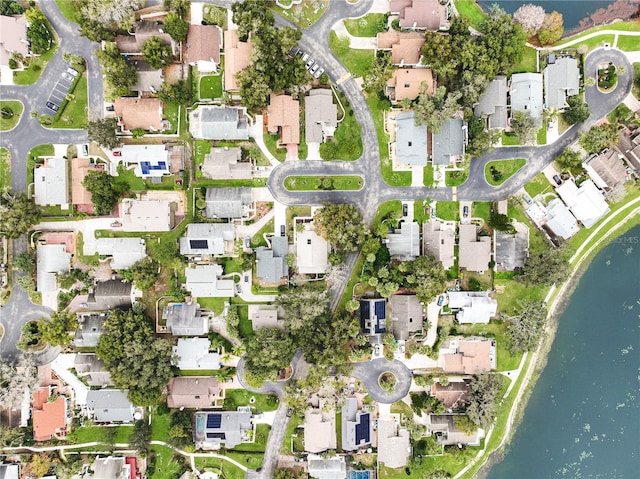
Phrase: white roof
(146, 215)
(193, 354)
(404, 243)
(150, 160)
(51, 260)
(586, 203)
(50, 181)
(331, 468)
(125, 252)
(526, 93)
(474, 307)
(312, 251)
(203, 282)
(560, 219)
(394, 446)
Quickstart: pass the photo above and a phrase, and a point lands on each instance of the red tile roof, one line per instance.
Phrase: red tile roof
(48, 417)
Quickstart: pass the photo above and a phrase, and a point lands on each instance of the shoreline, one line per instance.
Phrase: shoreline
(538, 360)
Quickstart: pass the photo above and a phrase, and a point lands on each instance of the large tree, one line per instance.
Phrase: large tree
(435, 110)
(55, 330)
(103, 132)
(569, 159)
(530, 16)
(105, 190)
(577, 112)
(138, 361)
(10, 7)
(176, 27)
(598, 138)
(268, 351)
(252, 15)
(425, 275)
(524, 126)
(17, 214)
(376, 79)
(547, 267)
(143, 274)
(525, 328)
(484, 398)
(341, 225)
(40, 38)
(156, 52)
(110, 13)
(17, 379)
(552, 28)
(119, 74)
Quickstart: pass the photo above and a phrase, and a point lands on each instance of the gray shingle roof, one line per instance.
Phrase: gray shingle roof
(404, 243)
(561, 80)
(448, 144)
(411, 140)
(227, 202)
(321, 115)
(110, 405)
(110, 468)
(218, 123)
(124, 252)
(90, 327)
(406, 315)
(493, 103)
(92, 369)
(185, 319)
(52, 259)
(271, 264)
(526, 93)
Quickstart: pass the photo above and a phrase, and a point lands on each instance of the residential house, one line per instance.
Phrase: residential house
(447, 146)
(226, 428)
(586, 202)
(432, 15)
(271, 263)
(454, 396)
(49, 418)
(439, 240)
(472, 307)
(204, 281)
(629, 147)
(411, 140)
(227, 203)
(493, 103)
(443, 426)
(185, 319)
(80, 197)
(334, 467)
(526, 94)
(205, 240)
(607, 170)
(404, 243)
(208, 122)
(109, 405)
(321, 115)
(148, 80)
(407, 83)
(90, 328)
(150, 161)
(131, 45)
(561, 80)
(194, 393)
(91, 369)
(474, 254)
(283, 116)
(320, 429)
(13, 37)
(394, 444)
(225, 164)
(147, 215)
(373, 316)
(202, 49)
(405, 47)
(237, 56)
(111, 467)
(124, 252)
(51, 182)
(9, 471)
(52, 260)
(265, 316)
(357, 426)
(194, 354)
(406, 313)
(470, 355)
(511, 249)
(105, 296)
(560, 220)
(142, 113)
(312, 251)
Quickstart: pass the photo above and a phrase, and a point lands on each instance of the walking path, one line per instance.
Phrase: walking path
(256, 131)
(357, 43)
(616, 33)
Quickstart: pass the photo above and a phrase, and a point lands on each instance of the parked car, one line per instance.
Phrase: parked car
(314, 68)
(557, 179)
(117, 153)
(52, 106)
(305, 57)
(318, 73)
(85, 150)
(433, 213)
(72, 72)
(110, 108)
(238, 289)
(116, 224)
(405, 209)
(377, 349)
(247, 241)
(290, 412)
(261, 168)
(283, 230)
(440, 300)
(465, 212)
(246, 278)
(310, 62)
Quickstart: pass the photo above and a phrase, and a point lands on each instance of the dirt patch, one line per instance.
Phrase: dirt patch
(174, 72)
(262, 208)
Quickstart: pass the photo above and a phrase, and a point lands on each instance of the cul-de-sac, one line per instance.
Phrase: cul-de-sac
(296, 238)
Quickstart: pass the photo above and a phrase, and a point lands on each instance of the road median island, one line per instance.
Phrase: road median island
(324, 183)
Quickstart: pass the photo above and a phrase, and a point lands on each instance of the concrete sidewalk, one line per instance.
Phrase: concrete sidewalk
(358, 43)
(256, 131)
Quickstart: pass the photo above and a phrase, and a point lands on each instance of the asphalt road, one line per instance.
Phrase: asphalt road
(369, 372)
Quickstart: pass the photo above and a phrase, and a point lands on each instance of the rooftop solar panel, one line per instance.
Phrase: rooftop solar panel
(198, 244)
(364, 309)
(214, 421)
(380, 310)
(215, 435)
(363, 435)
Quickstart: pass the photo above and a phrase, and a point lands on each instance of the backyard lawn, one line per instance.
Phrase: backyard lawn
(304, 183)
(448, 210)
(165, 464)
(358, 62)
(242, 397)
(11, 112)
(225, 469)
(497, 172)
(528, 62)
(367, 26)
(509, 139)
(211, 86)
(538, 185)
(497, 330)
(271, 141)
(5, 169)
(216, 16)
(37, 65)
(74, 113)
(481, 209)
(455, 177)
(470, 10)
(346, 144)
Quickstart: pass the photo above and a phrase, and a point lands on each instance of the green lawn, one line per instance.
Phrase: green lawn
(303, 15)
(211, 86)
(383, 211)
(271, 141)
(171, 112)
(5, 169)
(225, 469)
(37, 65)
(74, 113)
(294, 423)
(509, 139)
(448, 210)
(527, 64)
(629, 26)
(69, 10)
(452, 461)
(419, 211)
(306, 183)
(367, 26)
(128, 176)
(84, 434)
(504, 169)
(258, 238)
(215, 16)
(14, 111)
(242, 397)
(213, 304)
(455, 177)
(541, 136)
(470, 10)
(480, 209)
(346, 143)
(497, 330)
(401, 407)
(427, 175)
(32, 159)
(538, 185)
(357, 62)
(636, 82)
(165, 464)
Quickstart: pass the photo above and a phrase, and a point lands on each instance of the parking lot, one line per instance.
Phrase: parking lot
(59, 92)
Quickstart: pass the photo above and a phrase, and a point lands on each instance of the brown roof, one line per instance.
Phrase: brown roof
(284, 112)
(145, 113)
(194, 393)
(474, 254)
(407, 82)
(453, 396)
(79, 169)
(237, 56)
(473, 356)
(48, 417)
(13, 37)
(203, 44)
(420, 14)
(609, 167)
(629, 146)
(406, 47)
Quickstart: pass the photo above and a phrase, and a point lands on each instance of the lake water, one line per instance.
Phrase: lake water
(572, 10)
(583, 417)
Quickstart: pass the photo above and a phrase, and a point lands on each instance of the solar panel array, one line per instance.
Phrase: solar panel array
(380, 310)
(215, 435)
(214, 421)
(363, 430)
(146, 166)
(199, 244)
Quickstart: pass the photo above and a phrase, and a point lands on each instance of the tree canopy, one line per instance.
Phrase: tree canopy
(156, 52)
(15, 379)
(55, 330)
(434, 111)
(105, 190)
(103, 132)
(17, 214)
(143, 274)
(577, 112)
(268, 351)
(524, 126)
(176, 27)
(110, 13)
(547, 267)
(526, 326)
(552, 28)
(39, 35)
(138, 361)
(569, 159)
(119, 74)
(10, 7)
(484, 398)
(598, 138)
(531, 17)
(341, 225)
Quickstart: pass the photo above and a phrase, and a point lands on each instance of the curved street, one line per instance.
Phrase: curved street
(369, 372)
